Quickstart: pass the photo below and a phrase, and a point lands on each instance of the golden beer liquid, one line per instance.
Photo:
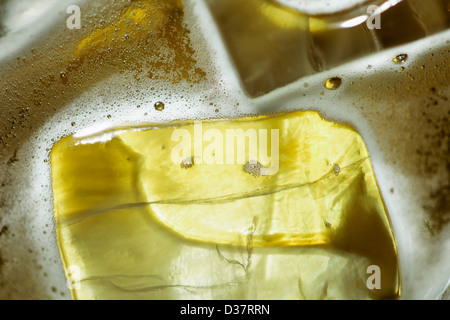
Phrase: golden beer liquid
(144, 226)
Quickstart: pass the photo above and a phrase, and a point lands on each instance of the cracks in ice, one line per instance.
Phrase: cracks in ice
(190, 288)
(87, 214)
(245, 263)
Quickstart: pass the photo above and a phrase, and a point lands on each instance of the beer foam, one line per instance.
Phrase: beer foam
(25, 20)
(316, 7)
